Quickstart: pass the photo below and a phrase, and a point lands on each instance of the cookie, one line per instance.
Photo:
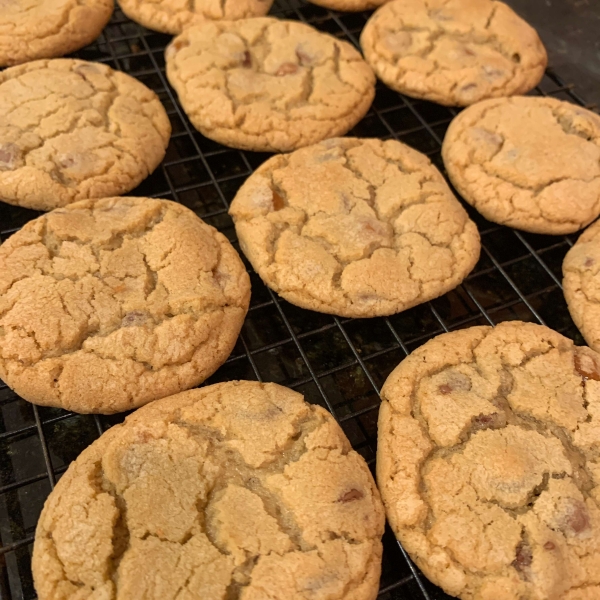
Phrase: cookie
(530, 163)
(488, 463)
(354, 227)
(108, 304)
(32, 29)
(171, 16)
(236, 490)
(71, 130)
(453, 52)
(581, 284)
(269, 85)
(348, 5)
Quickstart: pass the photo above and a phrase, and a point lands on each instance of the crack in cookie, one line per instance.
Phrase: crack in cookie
(529, 163)
(173, 17)
(34, 29)
(213, 493)
(354, 227)
(267, 84)
(453, 52)
(108, 304)
(72, 129)
(489, 462)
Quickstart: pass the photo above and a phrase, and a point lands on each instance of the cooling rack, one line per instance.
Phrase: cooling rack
(337, 363)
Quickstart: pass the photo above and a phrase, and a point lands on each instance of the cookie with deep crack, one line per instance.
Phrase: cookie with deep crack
(33, 29)
(71, 129)
(354, 227)
(453, 52)
(171, 16)
(581, 284)
(349, 5)
(530, 163)
(236, 490)
(488, 463)
(267, 84)
(108, 304)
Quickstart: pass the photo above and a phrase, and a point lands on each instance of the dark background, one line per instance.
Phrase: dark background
(570, 30)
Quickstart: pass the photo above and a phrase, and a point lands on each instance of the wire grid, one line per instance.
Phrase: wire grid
(337, 363)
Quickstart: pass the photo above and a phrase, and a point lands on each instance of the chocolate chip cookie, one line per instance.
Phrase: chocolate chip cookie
(71, 129)
(266, 84)
(32, 29)
(581, 281)
(108, 304)
(488, 463)
(237, 490)
(453, 52)
(530, 163)
(172, 16)
(349, 5)
(354, 227)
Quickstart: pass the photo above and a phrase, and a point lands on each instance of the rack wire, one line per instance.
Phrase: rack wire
(340, 364)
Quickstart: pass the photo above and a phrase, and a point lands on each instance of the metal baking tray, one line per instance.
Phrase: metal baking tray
(337, 363)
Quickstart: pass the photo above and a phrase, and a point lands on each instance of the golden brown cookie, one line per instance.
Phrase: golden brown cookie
(236, 490)
(354, 227)
(530, 163)
(173, 16)
(108, 304)
(581, 284)
(488, 463)
(349, 5)
(453, 52)
(266, 84)
(71, 129)
(32, 29)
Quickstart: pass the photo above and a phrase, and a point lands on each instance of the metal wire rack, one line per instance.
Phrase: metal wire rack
(337, 363)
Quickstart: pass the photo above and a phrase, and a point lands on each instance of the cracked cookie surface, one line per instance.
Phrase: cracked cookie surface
(108, 304)
(581, 284)
(71, 129)
(266, 84)
(354, 227)
(453, 52)
(32, 29)
(172, 16)
(239, 490)
(530, 163)
(488, 463)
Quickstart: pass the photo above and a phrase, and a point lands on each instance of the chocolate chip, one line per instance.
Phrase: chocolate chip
(287, 68)
(586, 366)
(516, 57)
(577, 518)
(549, 546)
(66, 161)
(468, 88)
(134, 318)
(247, 61)
(523, 558)
(492, 421)
(353, 494)
(491, 73)
(278, 201)
(589, 261)
(303, 58)
(8, 155)
(455, 382)
(179, 44)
